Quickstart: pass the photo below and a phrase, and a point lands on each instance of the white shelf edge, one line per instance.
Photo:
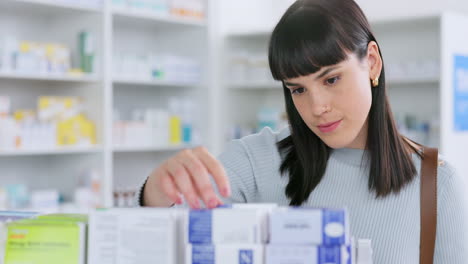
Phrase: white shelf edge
(158, 17)
(250, 34)
(153, 83)
(405, 19)
(55, 151)
(63, 5)
(49, 77)
(412, 81)
(125, 149)
(256, 86)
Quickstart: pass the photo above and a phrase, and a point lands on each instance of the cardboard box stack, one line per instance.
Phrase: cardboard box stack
(140, 235)
(309, 236)
(237, 234)
(234, 234)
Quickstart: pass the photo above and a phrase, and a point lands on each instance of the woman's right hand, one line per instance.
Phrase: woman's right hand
(187, 174)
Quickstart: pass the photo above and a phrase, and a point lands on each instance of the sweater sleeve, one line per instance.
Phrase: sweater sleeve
(138, 198)
(452, 220)
(239, 169)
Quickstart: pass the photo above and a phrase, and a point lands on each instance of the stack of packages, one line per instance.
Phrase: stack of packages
(178, 236)
(237, 234)
(233, 235)
(143, 235)
(51, 239)
(309, 236)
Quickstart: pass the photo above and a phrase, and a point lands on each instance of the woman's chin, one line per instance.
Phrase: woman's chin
(337, 143)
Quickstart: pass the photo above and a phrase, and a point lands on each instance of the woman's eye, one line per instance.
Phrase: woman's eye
(298, 91)
(332, 81)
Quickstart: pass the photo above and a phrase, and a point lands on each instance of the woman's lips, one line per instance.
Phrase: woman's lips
(330, 127)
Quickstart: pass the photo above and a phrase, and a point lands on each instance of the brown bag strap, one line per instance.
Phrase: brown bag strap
(428, 205)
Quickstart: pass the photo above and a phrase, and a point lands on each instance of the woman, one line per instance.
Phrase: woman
(342, 148)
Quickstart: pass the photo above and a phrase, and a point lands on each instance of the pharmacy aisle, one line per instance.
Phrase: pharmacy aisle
(253, 99)
(159, 82)
(94, 94)
(50, 104)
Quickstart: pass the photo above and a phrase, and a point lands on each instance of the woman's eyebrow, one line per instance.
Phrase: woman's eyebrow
(322, 74)
(326, 71)
(291, 84)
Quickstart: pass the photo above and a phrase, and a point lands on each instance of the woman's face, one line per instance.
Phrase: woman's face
(335, 101)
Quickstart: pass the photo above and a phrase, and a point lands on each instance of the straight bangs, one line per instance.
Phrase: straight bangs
(302, 44)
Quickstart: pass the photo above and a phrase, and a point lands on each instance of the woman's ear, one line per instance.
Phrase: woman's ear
(375, 60)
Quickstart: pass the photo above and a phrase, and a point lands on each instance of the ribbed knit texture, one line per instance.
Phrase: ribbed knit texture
(392, 223)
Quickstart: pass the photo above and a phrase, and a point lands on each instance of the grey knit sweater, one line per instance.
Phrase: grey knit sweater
(392, 223)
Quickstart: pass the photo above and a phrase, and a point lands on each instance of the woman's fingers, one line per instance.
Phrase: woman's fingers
(170, 189)
(215, 169)
(189, 174)
(183, 182)
(200, 178)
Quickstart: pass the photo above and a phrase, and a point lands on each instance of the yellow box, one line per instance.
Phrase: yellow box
(53, 108)
(175, 130)
(22, 115)
(77, 130)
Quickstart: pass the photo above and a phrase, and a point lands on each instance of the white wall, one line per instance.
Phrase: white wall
(248, 15)
(380, 9)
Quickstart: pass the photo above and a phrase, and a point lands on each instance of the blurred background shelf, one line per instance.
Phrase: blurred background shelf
(161, 66)
(137, 16)
(127, 149)
(49, 152)
(257, 86)
(50, 77)
(49, 7)
(155, 83)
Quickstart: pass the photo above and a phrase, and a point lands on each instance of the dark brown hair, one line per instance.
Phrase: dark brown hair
(313, 34)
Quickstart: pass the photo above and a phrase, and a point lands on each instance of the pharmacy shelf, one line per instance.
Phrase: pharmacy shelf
(156, 83)
(46, 7)
(55, 151)
(159, 19)
(140, 32)
(127, 149)
(47, 77)
(130, 31)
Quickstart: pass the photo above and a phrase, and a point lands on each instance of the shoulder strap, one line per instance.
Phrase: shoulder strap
(428, 205)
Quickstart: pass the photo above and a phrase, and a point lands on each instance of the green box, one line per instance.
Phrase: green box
(86, 52)
(56, 240)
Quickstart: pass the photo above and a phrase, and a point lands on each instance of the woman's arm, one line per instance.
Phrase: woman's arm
(237, 163)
